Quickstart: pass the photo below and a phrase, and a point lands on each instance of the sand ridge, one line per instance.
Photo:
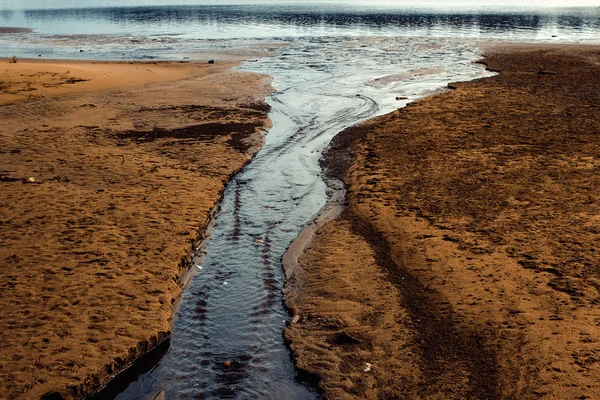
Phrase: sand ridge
(105, 184)
(480, 207)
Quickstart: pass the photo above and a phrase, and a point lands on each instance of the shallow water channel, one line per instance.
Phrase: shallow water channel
(227, 340)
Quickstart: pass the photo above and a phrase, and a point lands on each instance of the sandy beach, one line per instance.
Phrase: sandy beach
(464, 265)
(109, 173)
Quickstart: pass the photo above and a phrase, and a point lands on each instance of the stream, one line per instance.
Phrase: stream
(227, 341)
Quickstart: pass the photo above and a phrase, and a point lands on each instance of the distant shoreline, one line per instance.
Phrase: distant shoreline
(8, 29)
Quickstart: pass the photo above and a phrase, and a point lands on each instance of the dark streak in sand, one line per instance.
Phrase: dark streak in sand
(237, 132)
(442, 342)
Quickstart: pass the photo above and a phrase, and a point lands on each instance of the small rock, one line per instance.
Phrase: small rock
(31, 179)
(227, 364)
(367, 367)
(401, 98)
(211, 61)
(295, 319)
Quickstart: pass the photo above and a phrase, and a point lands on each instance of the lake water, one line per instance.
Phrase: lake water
(332, 66)
(172, 32)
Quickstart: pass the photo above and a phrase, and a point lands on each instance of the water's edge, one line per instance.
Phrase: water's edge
(338, 147)
(335, 162)
(148, 359)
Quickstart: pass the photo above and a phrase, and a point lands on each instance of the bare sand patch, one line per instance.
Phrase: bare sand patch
(36, 79)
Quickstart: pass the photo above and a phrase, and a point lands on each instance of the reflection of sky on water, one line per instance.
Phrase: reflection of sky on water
(455, 4)
(261, 21)
(135, 31)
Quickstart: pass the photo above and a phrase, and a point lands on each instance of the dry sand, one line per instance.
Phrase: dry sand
(466, 263)
(35, 80)
(126, 162)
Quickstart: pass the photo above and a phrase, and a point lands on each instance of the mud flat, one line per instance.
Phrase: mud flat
(466, 262)
(108, 175)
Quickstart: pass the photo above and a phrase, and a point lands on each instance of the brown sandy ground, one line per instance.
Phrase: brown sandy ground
(466, 263)
(94, 248)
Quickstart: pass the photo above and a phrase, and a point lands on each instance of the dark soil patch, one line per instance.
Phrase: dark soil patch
(237, 132)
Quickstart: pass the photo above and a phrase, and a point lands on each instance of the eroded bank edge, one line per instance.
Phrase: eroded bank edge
(335, 162)
(147, 353)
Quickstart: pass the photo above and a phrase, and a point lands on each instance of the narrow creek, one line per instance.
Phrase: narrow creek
(227, 340)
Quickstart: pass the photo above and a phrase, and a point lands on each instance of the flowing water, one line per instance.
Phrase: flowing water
(233, 310)
(330, 69)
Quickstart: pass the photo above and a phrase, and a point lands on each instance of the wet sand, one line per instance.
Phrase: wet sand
(109, 172)
(464, 265)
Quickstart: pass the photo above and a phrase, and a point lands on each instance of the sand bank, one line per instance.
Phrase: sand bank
(108, 174)
(465, 264)
(36, 79)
